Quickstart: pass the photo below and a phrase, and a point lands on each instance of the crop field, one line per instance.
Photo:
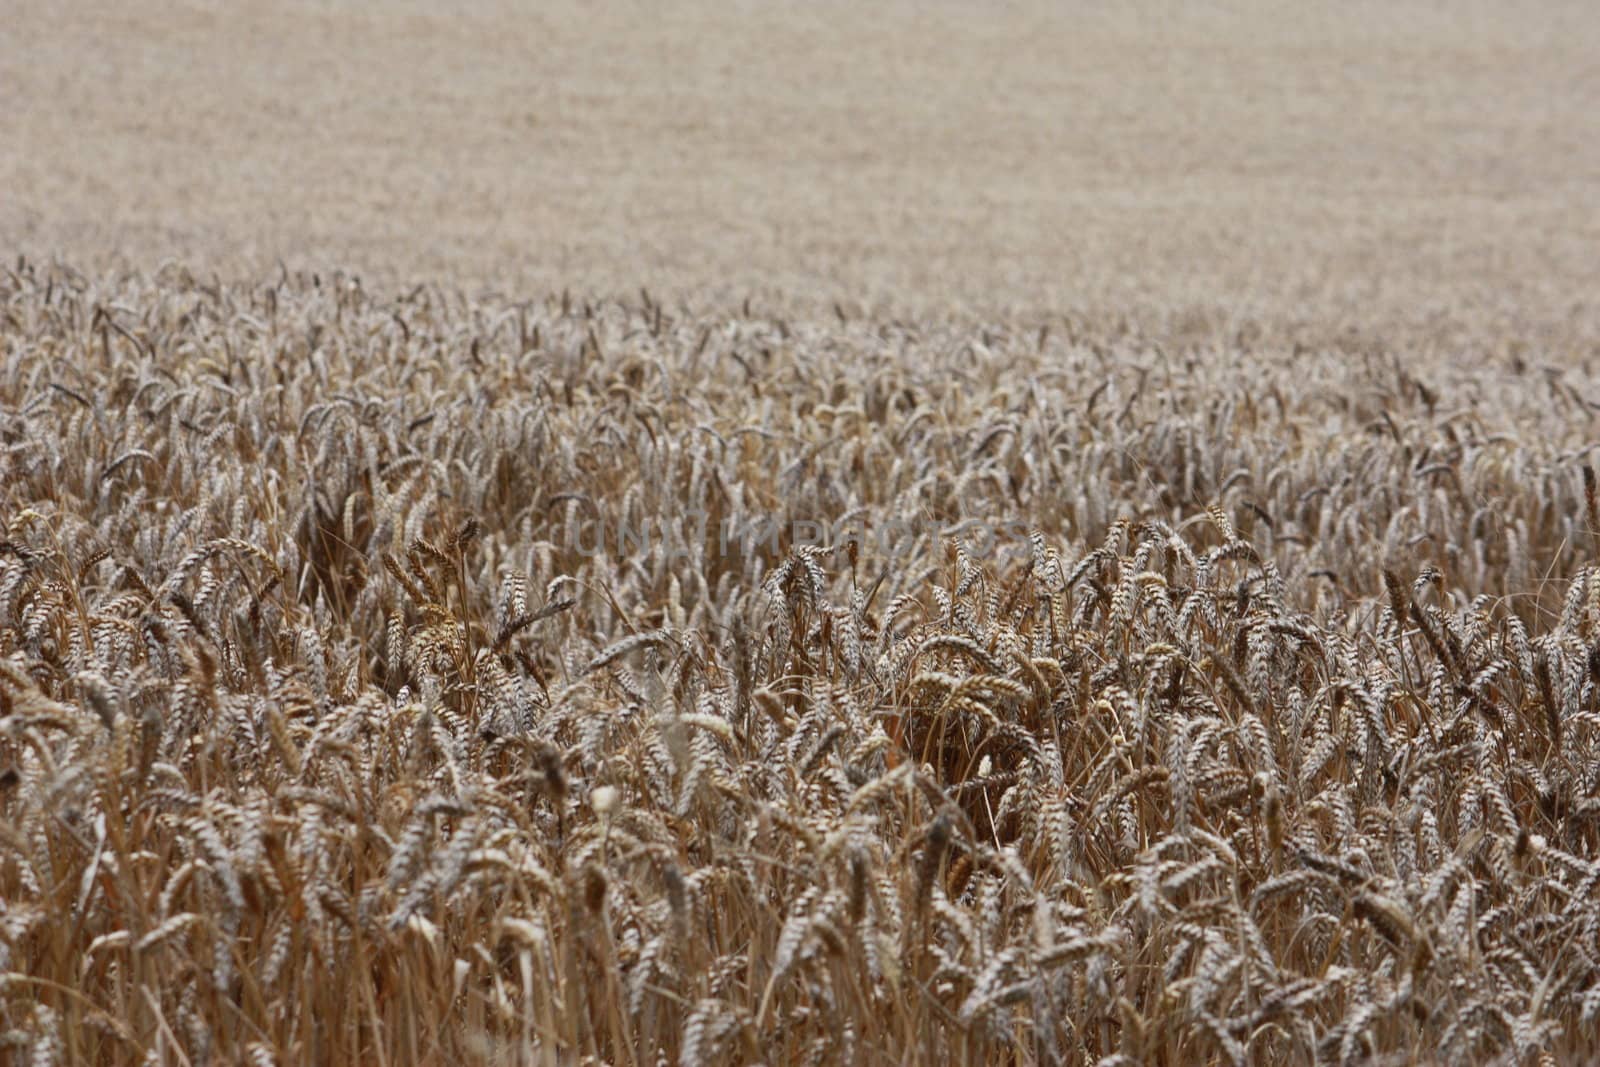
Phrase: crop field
(800, 535)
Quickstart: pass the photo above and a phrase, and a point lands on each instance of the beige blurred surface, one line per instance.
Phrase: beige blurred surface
(1316, 158)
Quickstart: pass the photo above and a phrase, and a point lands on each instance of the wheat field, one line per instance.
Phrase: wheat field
(799, 535)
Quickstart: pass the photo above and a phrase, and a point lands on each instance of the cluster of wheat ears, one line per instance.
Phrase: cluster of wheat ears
(325, 736)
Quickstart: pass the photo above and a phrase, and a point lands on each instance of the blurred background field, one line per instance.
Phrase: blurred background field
(1333, 162)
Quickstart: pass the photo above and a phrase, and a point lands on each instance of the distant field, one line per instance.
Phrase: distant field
(1353, 159)
(780, 533)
